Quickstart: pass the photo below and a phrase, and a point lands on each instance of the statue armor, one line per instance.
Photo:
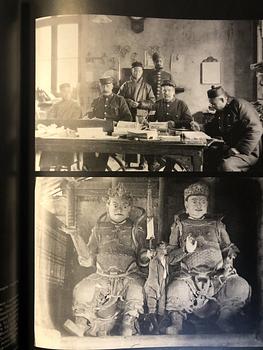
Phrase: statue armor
(201, 278)
(117, 249)
(208, 254)
(117, 286)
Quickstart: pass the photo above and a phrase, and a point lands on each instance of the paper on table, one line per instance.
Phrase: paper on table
(126, 125)
(91, 132)
(162, 126)
(195, 137)
(174, 138)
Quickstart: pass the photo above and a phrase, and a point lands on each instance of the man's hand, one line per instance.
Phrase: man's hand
(132, 103)
(69, 230)
(170, 124)
(194, 126)
(231, 152)
(190, 244)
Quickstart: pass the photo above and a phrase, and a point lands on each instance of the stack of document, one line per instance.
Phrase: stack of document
(194, 137)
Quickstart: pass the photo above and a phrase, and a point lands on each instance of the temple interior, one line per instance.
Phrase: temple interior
(79, 202)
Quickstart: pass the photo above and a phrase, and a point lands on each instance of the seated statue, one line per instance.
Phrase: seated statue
(204, 281)
(115, 291)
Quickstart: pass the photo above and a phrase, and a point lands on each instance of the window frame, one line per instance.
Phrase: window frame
(54, 22)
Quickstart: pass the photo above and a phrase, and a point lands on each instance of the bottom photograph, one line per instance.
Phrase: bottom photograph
(125, 262)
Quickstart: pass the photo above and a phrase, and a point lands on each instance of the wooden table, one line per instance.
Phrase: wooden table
(191, 153)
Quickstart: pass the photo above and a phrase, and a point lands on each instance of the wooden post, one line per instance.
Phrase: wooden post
(162, 213)
(71, 210)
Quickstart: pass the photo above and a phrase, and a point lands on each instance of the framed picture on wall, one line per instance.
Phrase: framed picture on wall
(210, 73)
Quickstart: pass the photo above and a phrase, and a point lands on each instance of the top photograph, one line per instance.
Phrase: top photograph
(139, 94)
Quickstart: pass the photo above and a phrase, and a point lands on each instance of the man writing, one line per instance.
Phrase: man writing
(237, 122)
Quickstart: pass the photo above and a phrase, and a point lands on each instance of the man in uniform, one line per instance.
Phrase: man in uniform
(204, 280)
(117, 248)
(138, 95)
(238, 123)
(171, 109)
(107, 106)
(176, 112)
(66, 109)
(158, 75)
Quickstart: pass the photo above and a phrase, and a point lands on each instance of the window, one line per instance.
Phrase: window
(57, 52)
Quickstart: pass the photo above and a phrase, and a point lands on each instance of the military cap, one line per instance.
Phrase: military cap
(168, 83)
(64, 85)
(106, 80)
(121, 192)
(156, 55)
(215, 91)
(136, 64)
(196, 189)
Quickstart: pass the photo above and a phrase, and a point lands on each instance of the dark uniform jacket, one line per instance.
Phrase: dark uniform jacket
(140, 92)
(112, 107)
(152, 79)
(176, 110)
(239, 126)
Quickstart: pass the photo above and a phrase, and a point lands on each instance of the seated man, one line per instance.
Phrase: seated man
(238, 123)
(66, 109)
(117, 248)
(107, 106)
(204, 280)
(176, 112)
(138, 95)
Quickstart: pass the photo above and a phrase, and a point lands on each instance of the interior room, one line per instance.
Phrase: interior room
(80, 49)
(79, 52)
(80, 202)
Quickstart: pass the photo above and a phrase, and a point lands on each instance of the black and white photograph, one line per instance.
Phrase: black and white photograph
(135, 262)
(131, 174)
(125, 93)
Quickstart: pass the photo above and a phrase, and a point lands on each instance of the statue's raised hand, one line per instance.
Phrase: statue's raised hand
(190, 244)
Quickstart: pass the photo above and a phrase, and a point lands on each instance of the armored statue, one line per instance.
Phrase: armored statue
(203, 278)
(114, 293)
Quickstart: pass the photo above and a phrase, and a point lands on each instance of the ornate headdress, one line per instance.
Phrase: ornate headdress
(196, 189)
(121, 192)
